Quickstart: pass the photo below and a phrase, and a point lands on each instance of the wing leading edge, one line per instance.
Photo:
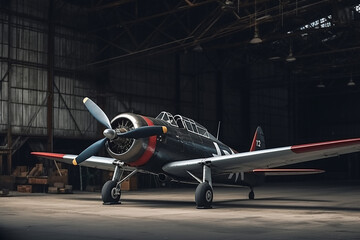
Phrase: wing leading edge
(268, 158)
(93, 162)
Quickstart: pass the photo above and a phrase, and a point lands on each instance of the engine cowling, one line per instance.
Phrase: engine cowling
(135, 152)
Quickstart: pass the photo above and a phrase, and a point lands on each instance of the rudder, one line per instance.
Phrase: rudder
(258, 142)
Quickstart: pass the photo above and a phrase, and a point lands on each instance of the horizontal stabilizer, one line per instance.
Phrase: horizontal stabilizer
(287, 172)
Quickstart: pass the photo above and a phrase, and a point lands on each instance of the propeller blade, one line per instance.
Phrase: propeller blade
(97, 113)
(143, 132)
(90, 151)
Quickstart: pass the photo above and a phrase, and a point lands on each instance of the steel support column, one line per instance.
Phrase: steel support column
(50, 82)
(9, 133)
(219, 96)
(177, 85)
(245, 95)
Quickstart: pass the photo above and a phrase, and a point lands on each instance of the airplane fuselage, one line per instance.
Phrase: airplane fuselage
(178, 148)
(152, 153)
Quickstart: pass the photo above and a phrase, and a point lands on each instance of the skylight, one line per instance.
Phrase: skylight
(321, 23)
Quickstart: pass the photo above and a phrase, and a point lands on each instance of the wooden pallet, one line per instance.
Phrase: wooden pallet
(25, 188)
(63, 189)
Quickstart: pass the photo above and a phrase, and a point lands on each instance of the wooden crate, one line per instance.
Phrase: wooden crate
(24, 188)
(20, 171)
(37, 170)
(129, 184)
(54, 179)
(53, 190)
(59, 185)
(7, 182)
(66, 189)
(38, 180)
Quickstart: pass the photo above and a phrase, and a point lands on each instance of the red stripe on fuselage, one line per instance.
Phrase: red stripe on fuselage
(150, 149)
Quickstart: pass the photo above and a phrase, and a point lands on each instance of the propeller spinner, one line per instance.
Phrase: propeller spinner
(110, 134)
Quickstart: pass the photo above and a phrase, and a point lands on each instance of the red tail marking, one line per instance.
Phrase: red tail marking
(253, 144)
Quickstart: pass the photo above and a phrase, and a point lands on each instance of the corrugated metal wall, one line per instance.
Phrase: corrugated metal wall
(196, 85)
(24, 24)
(149, 86)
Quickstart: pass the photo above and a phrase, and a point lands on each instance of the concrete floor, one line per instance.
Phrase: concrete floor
(286, 211)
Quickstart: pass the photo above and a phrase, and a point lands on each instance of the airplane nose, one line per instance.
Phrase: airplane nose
(109, 133)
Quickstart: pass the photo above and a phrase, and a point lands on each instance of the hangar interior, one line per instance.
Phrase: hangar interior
(291, 67)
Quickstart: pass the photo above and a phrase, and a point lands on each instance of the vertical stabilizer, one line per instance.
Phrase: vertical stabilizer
(258, 142)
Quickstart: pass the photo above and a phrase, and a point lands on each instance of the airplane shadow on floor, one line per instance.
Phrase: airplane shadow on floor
(283, 204)
(261, 203)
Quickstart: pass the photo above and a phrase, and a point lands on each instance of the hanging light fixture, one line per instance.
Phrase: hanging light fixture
(228, 5)
(320, 85)
(351, 82)
(256, 39)
(290, 57)
(198, 48)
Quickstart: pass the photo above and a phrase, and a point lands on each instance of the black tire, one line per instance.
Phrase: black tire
(204, 195)
(107, 192)
(251, 195)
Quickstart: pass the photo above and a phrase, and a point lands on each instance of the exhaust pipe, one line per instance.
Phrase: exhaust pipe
(164, 178)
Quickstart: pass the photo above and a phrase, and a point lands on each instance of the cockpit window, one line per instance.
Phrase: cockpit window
(167, 117)
(179, 121)
(184, 122)
(188, 126)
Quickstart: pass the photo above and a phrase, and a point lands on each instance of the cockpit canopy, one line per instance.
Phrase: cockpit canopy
(184, 122)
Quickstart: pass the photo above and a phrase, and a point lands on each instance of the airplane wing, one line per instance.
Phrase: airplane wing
(103, 163)
(268, 158)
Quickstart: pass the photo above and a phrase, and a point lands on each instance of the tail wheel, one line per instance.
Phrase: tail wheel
(203, 195)
(109, 192)
(251, 195)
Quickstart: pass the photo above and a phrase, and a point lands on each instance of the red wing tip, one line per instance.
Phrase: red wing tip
(303, 148)
(48, 155)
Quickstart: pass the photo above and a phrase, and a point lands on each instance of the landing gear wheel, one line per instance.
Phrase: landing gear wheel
(251, 195)
(203, 195)
(109, 193)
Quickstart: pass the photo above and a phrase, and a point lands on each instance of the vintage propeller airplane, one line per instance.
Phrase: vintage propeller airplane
(179, 149)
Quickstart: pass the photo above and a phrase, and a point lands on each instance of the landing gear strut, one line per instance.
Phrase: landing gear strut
(111, 191)
(204, 191)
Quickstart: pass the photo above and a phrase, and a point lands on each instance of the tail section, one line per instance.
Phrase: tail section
(258, 142)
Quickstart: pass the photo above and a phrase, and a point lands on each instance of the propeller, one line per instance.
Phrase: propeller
(109, 133)
(97, 113)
